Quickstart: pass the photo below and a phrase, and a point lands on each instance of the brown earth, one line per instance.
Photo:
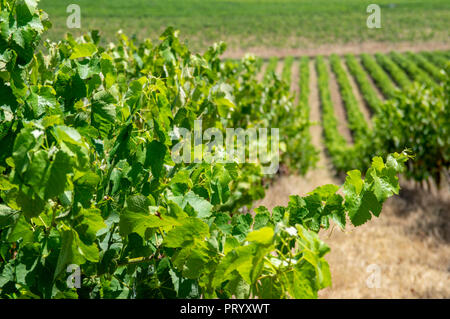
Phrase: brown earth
(279, 68)
(260, 76)
(355, 48)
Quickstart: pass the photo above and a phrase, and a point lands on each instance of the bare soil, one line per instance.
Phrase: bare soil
(355, 48)
(279, 68)
(262, 72)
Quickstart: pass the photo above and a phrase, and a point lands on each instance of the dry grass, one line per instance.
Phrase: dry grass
(414, 259)
(410, 242)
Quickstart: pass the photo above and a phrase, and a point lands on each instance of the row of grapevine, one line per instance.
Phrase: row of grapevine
(416, 73)
(298, 155)
(368, 92)
(382, 139)
(356, 121)
(445, 54)
(365, 143)
(418, 118)
(335, 143)
(438, 60)
(396, 64)
(287, 70)
(420, 103)
(396, 73)
(426, 65)
(304, 83)
(380, 77)
(299, 150)
(271, 66)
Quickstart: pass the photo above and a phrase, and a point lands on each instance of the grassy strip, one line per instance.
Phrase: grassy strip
(415, 73)
(382, 80)
(286, 74)
(368, 92)
(356, 120)
(397, 74)
(251, 23)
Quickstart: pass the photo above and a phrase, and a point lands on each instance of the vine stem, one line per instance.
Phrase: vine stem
(45, 225)
(134, 261)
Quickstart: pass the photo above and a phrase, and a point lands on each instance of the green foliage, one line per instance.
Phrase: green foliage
(432, 70)
(287, 70)
(420, 103)
(86, 176)
(304, 84)
(415, 73)
(415, 118)
(271, 67)
(86, 172)
(428, 137)
(368, 92)
(397, 74)
(299, 149)
(436, 58)
(380, 77)
(270, 104)
(343, 155)
(251, 24)
(308, 153)
(356, 121)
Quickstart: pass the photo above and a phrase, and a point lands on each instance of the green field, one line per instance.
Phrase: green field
(263, 23)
